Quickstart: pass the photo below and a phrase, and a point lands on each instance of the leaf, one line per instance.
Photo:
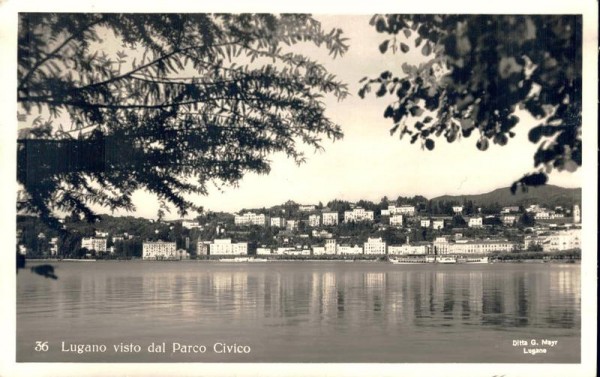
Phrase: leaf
(407, 33)
(381, 91)
(404, 47)
(426, 50)
(482, 144)
(389, 112)
(384, 46)
(429, 144)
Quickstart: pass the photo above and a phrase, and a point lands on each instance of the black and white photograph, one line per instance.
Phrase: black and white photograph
(273, 191)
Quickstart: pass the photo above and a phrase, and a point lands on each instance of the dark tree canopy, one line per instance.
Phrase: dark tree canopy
(480, 70)
(179, 101)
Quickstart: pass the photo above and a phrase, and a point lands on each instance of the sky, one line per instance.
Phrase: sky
(368, 163)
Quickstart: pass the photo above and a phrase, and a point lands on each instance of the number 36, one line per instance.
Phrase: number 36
(41, 346)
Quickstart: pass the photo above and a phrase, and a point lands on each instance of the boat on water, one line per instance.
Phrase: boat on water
(242, 259)
(446, 260)
(474, 260)
(408, 260)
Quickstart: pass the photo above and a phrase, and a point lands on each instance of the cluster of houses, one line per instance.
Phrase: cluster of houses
(548, 239)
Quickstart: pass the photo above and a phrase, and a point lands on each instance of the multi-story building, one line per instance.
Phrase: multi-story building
(441, 246)
(398, 210)
(511, 209)
(330, 218)
(374, 246)
(314, 221)
(557, 241)
(475, 222)
(576, 214)
(202, 247)
(306, 208)
(226, 247)
(53, 246)
(457, 209)
(250, 218)
(358, 214)
(509, 220)
(480, 247)
(188, 224)
(321, 234)
(277, 222)
(425, 223)
(437, 224)
(318, 250)
(292, 224)
(159, 250)
(330, 246)
(396, 220)
(421, 248)
(94, 243)
(264, 251)
(349, 250)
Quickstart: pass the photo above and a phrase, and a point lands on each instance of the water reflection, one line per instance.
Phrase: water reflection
(309, 300)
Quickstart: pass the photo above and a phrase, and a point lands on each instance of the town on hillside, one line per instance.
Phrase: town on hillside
(365, 230)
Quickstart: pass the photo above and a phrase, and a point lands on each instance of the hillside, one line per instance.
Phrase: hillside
(548, 195)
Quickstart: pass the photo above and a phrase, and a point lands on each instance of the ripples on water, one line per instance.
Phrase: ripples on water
(326, 312)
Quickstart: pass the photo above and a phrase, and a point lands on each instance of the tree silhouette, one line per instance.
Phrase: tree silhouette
(480, 70)
(189, 99)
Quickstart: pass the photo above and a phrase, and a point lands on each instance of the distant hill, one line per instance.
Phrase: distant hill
(548, 195)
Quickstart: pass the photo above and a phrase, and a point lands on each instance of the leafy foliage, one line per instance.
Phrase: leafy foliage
(479, 70)
(190, 99)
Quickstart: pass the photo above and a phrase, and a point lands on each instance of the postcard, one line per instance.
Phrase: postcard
(300, 190)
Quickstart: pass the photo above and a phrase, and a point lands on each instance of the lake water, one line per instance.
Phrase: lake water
(299, 312)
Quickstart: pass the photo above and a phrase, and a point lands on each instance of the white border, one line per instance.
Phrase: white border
(589, 9)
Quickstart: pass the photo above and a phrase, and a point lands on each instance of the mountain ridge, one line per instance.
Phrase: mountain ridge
(546, 195)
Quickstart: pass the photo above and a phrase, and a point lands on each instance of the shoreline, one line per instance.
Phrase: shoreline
(52, 260)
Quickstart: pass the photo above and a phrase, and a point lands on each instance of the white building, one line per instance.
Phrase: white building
(425, 223)
(314, 220)
(94, 243)
(465, 246)
(509, 220)
(306, 208)
(330, 246)
(321, 234)
(263, 251)
(188, 224)
(358, 214)
(561, 240)
(202, 247)
(396, 220)
(374, 246)
(441, 245)
(349, 250)
(401, 210)
(53, 246)
(318, 250)
(277, 222)
(159, 250)
(226, 247)
(408, 249)
(475, 222)
(457, 209)
(250, 218)
(330, 218)
(511, 209)
(576, 214)
(292, 224)
(437, 224)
